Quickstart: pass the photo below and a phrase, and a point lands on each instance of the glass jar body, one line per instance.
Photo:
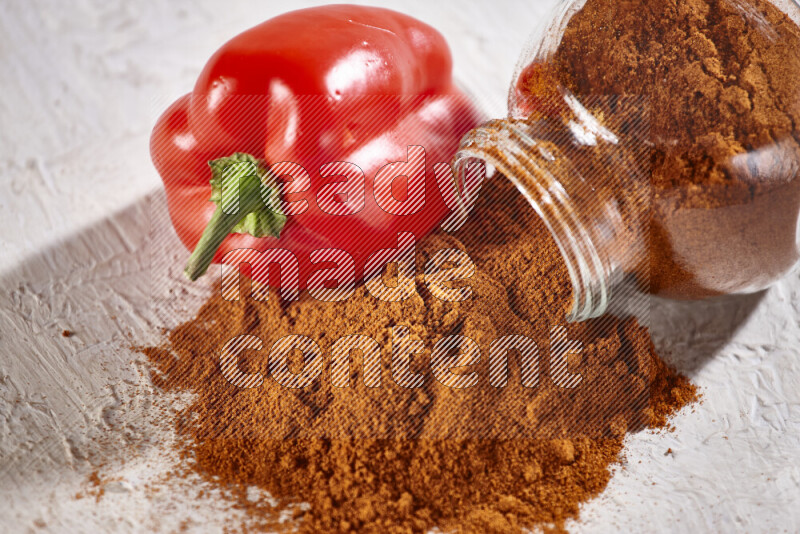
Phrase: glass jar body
(695, 107)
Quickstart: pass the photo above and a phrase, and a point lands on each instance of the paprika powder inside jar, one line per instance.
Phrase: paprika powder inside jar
(658, 139)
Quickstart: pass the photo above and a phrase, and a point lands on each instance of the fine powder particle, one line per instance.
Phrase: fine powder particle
(394, 459)
(721, 78)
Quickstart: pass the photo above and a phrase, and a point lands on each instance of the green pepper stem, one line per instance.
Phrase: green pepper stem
(219, 227)
(237, 177)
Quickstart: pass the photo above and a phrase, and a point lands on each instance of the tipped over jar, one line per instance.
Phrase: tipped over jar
(659, 140)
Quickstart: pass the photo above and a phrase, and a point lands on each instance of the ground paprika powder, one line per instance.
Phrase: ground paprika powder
(394, 459)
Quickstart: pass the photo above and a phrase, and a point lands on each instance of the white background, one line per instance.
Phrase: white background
(81, 84)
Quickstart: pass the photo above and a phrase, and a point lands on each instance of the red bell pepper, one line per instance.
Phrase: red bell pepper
(336, 83)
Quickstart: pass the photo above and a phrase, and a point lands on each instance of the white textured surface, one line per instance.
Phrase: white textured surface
(81, 84)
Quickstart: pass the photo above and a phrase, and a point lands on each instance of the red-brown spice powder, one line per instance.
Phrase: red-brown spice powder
(392, 459)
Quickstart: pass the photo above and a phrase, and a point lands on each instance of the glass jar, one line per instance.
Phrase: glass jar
(660, 142)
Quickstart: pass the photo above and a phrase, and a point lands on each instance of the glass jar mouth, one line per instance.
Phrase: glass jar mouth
(507, 147)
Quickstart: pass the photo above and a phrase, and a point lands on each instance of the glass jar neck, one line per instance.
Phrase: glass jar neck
(586, 225)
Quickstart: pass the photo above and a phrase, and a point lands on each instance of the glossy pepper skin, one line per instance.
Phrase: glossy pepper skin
(318, 85)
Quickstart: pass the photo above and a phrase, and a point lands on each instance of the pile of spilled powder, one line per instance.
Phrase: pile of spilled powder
(505, 454)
